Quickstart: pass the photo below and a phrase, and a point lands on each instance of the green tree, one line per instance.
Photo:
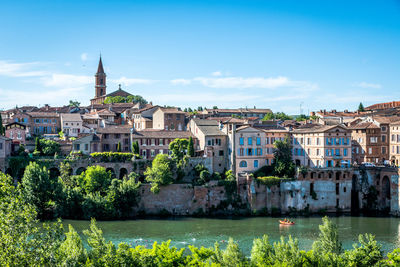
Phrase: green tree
(38, 148)
(39, 189)
(302, 117)
(215, 107)
(288, 252)
(229, 176)
(119, 147)
(368, 253)
(160, 172)
(261, 252)
(178, 149)
(74, 103)
(49, 147)
(135, 148)
(361, 107)
(190, 147)
(96, 179)
(327, 248)
(23, 242)
(71, 252)
(269, 116)
(2, 130)
(233, 256)
(124, 195)
(283, 164)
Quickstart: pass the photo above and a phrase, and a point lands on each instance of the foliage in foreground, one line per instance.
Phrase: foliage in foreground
(24, 242)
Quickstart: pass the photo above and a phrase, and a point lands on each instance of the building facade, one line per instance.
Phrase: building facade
(322, 146)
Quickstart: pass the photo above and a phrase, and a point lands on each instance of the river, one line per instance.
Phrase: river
(206, 231)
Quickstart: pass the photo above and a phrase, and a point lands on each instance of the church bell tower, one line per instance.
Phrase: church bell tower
(100, 78)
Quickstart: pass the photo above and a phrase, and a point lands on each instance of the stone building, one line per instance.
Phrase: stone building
(238, 112)
(16, 132)
(72, 124)
(45, 123)
(111, 136)
(322, 146)
(212, 142)
(86, 143)
(169, 119)
(250, 149)
(394, 146)
(367, 145)
(152, 142)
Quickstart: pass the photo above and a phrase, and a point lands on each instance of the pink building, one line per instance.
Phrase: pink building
(17, 133)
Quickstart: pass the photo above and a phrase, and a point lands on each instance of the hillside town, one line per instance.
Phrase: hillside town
(324, 143)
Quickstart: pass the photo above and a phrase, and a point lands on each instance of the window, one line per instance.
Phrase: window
(117, 136)
(152, 153)
(161, 143)
(209, 142)
(258, 141)
(256, 164)
(77, 147)
(383, 138)
(105, 136)
(267, 140)
(243, 164)
(374, 139)
(383, 150)
(345, 152)
(241, 152)
(249, 141)
(259, 151)
(383, 128)
(370, 150)
(1, 146)
(153, 142)
(221, 153)
(317, 151)
(308, 141)
(86, 147)
(241, 141)
(249, 152)
(317, 141)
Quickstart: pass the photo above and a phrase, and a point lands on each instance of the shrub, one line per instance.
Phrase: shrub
(270, 181)
(160, 172)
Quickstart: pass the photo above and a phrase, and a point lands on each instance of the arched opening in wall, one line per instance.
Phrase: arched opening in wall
(329, 175)
(386, 192)
(54, 173)
(338, 175)
(80, 170)
(312, 175)
(122, 173)
(298, 162)
(112, 172)
(319, 175)
(354, 195)
(377, 179)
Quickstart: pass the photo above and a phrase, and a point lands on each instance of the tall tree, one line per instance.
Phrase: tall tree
(190, 147)
(135, 148)
(119, 147)
(361, 107)
(160, 172)
(283, 164)
(2, 131)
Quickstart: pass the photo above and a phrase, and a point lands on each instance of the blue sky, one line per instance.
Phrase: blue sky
(268, 54)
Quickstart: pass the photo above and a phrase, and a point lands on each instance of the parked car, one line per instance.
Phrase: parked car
(368, 164)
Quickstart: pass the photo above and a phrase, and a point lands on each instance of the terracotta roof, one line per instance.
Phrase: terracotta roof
(153, 133)
(316, 128)
(43, 114)
(106, 112)
(208, 127)
(364, 125)
(386, 105)
(238, 110)
(71, 117)
(389, 119)
(115, 129)
(172, 110)
(340, 113)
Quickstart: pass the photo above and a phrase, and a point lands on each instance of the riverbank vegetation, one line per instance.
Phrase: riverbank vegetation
(92, 194)
(24, 242)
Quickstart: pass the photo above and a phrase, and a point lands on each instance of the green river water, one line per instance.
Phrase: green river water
(206, 231)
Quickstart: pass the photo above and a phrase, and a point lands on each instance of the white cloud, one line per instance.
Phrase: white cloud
(67, 80)
(368, 85)
(181, 82)
(84, 56)
(20, 69)
(216, 73)
(130, 81)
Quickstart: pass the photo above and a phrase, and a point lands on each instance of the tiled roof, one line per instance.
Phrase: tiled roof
(364, 125)
(388, 119)
(208, 127)
(43, 114)
(316, 128)
(106, 112)
(71, 117)
(238, 110)
(153, 133)
(387, 105)
(119, 92)
(115, 129)
(172, 110)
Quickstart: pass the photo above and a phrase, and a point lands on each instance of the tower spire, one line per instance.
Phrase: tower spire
(100, 67)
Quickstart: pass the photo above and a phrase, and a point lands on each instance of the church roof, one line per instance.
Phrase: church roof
(119, 92)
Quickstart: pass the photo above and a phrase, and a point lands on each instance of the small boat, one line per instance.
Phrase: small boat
(286, 222)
